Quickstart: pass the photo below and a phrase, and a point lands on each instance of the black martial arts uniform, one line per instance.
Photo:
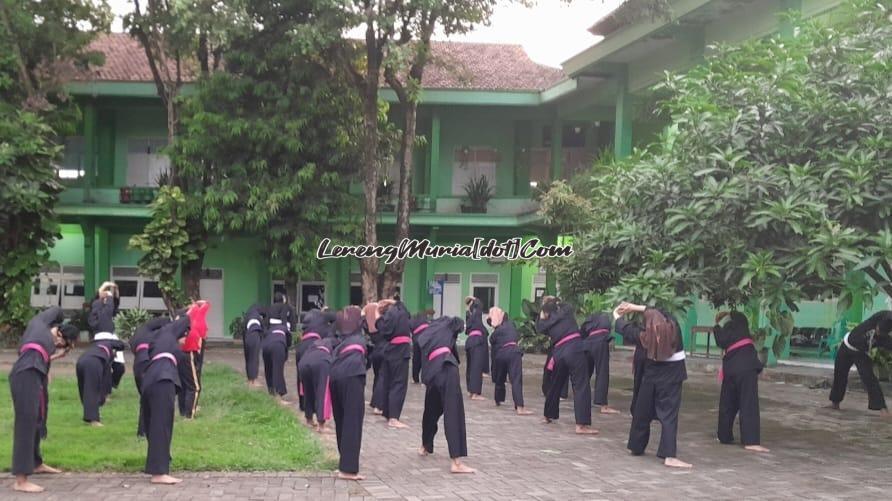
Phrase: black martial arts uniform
(159, 393)
(476, 348)
(93, 368)
(254, 318)
(315, 325)
(314, 369)
(376, 360)
(507, 362)
(658, 397)
(139, 346)
(28, 384)
(569, 362)
(348, 369)
(275, 347)
(855, 350)
(548, 375)
(418, 323)
(443, 395)
(596, 330)
(740, 381)
(101, 320)
(638, 357)
(394, 328)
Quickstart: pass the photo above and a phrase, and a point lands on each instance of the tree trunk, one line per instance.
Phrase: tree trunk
(291, 292)
(393, 273)
(191, 271)
(369, 155)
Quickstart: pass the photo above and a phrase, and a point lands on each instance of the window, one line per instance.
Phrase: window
(312, 295)
(471, 163)
(137, 291)
(540, 166)
(73, 158)
(356, 294)
(484, 287)
(145, 162)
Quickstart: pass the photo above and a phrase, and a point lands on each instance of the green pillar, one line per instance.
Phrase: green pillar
(557, 149)
(337, 283)
(103, 266)
(622, 132)
(90, 284)
(689, 323)
(425, 277)
(105, 147)
(516, 295)
(434, 177)
(523, 135)
(89, 150)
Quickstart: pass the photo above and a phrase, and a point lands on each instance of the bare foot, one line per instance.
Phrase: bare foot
(582, 429)
(475, 396)
(27, 486)
(423, 451)
(832, 405)
(523, 412)
(756, 448)
(165, 480)
(350, 476)
(282, 401)
(545, 420)
(45, 468)
(396, 423)
(606, 409)
(676, 463)
(323, 429)
(377, 412)
(885, 413)
(96, 424)
(459, 467)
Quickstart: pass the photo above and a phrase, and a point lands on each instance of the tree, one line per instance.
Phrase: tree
(272, 132)
(42, 45)
(772, 185)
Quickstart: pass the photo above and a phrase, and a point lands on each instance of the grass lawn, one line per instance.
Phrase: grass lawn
(236, 429)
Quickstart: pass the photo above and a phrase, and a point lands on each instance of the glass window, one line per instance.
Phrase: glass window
(74, 153)
(150, 289)
(471, 163)
(486, 295)
(356, 295)
(312, 296)
(145, 162)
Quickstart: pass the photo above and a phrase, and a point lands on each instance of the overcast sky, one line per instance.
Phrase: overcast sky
(550, 32)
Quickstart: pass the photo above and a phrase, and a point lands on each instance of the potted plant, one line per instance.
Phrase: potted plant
(479, 192)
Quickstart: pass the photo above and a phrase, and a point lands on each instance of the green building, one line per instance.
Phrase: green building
(486, 109)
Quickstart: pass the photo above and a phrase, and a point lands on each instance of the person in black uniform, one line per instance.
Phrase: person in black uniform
(557, 321)
(393, 324)
(347, 381)
(158, 397)
(740, 381)
(375, 356)
(139, 346)
(314, 369)
(443, 396)
(275, 346)
(596, 330)
(507, 359)
(101, 320)
(418, 323)
(855, 350)
(548, 375)
(659, 396)
(45, 339)
(93, 368)
(476, 348)
(316, 325)
(254, 319)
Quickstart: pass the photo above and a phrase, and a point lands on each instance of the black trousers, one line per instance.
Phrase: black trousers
(251, 344)
(508, 365)
(378, 388)
(443, 397)
(660, 401)
(274, 356)
(416, 362)
(740, 393)
(637, 376)
(91, 377)
(29, 407)
(475, 368)
(570, 363)
(348, 409)
(599, 366)
(158, 404)
(140, 364)
(118, 369)
(314, 378)
(845, 358)
(548, 377)
(395, 369)
(187, 366)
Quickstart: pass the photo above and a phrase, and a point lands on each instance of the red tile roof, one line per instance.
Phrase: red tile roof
(454, 65)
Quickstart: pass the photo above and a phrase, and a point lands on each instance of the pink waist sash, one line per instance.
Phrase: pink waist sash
(475, 332)
(352, 347)
(401, 340)
(439, 351)
(310, 335)
(739, 344)
(566, 339)
(598, 332)
(105, 349)
(142, 346)
(326, 349)
(166, 355)
(36, 347)
(509, 343)
(420, 328)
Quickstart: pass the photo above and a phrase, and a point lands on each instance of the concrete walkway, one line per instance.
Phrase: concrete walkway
(816, 454)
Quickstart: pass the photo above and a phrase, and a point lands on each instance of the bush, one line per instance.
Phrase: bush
(127, 321)
(237, 328)
(531, 341)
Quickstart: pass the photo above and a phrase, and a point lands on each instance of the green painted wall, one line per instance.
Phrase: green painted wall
(69, 250)
(135, 121)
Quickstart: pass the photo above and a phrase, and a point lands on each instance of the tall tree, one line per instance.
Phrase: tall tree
(42, 46)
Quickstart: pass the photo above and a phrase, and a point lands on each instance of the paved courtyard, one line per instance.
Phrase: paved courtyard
(815, 454)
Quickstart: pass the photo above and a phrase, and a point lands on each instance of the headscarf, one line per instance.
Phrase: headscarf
(660, 337)
(496, 316)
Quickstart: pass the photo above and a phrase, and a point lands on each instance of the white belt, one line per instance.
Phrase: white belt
(275, 321)
(253, 322)
(845, 341)
(679, 356)
(103, 336)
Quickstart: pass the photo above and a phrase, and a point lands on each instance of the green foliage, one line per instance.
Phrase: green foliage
(127, 321)
(237, 328)
(233, 419)
(479, 192)
(166, 244)
(531, 341)
(882, 363)
(771, 186)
